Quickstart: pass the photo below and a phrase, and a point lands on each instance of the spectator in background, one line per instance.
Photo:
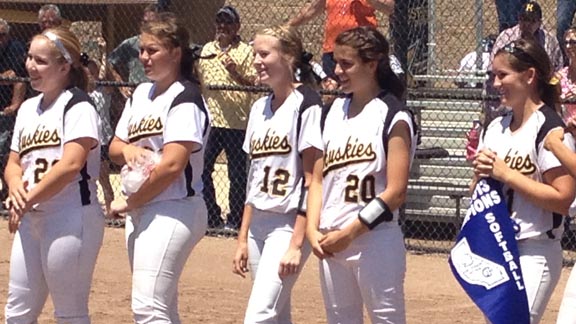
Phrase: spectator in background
(530, 27)
(12, 94)
(341, 15)
(125, 64)
(49, 16)
(468, 65)
(565, 10)
(102, 98)
(567, 75)
(508, 12)
(232, 65)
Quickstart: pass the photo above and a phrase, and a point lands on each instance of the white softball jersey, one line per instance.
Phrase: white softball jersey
(274, 142)
(178, 114)
(355, 159)
(39, 138)
(523, 150)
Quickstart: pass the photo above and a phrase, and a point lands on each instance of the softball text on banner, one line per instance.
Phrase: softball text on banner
(485, 258)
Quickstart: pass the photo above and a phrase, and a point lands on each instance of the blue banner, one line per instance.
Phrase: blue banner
(485, 258)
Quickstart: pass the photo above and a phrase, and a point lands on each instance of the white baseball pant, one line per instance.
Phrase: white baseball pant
(160, 237)
(269, 238)
(54, 253)
(541, 263)
(369, 272)
(567, 313)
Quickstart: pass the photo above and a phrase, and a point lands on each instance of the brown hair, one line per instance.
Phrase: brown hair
(78, 75)
(172, 33)
(524, 54)
(291, 46)
(371, 45)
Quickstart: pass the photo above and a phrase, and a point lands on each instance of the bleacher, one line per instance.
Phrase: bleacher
(439, 184)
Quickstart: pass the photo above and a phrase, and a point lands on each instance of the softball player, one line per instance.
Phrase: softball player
(54, 159)
(279, 139)
(166, 217)
(554, 143)
(359, 184)
(536, 188)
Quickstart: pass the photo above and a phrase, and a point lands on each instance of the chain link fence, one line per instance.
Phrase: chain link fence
(430, 38)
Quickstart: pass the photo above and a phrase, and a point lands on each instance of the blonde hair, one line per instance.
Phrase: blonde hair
(78, 74)
(291, 46)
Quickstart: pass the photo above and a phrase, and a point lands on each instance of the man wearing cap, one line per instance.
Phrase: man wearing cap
(231, 65)
(530, 26)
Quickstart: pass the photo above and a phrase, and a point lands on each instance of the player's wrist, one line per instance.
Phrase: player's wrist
(375, 213)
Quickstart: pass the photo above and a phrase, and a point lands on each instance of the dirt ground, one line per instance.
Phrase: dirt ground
(210, 293)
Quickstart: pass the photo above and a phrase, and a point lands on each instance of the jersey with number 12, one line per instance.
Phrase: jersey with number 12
(274, 145)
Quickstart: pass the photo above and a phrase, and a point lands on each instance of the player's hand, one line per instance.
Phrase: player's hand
(135, 155)
(17, 195)
(119, 205)
(553, 138)
(335, 241)
(14, 219)
(290, 262)
(487, 164)
(240, 262)
(314, 237)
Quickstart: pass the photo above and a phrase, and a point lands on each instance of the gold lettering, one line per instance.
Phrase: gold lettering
(522, 164)
(352, 152)
(41, 138)
(146, 127)
(271, 144)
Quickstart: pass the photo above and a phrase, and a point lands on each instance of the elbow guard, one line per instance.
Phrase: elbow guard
(375, 212)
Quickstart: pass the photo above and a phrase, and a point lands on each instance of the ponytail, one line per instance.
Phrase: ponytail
(188, 66)
(79, 77)
(388, 80)
(550, 95)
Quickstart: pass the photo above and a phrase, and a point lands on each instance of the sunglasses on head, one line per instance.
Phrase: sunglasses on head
(513, 49)
(570, 42)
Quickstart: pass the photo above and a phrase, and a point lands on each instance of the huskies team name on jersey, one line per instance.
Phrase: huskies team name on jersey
(274, 141)
(355, 159)
(178, 114)
(39, 139)
(524, 151)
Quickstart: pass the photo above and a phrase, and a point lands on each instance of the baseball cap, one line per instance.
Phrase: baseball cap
(228, 14)
(531, 11)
